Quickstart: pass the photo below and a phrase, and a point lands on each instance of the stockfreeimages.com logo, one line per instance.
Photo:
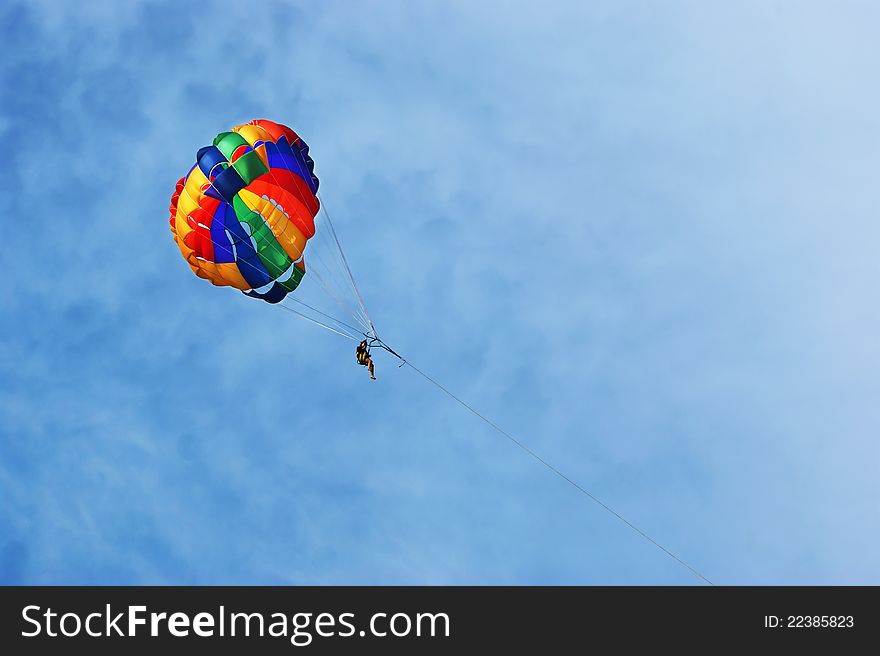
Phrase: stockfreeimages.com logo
(300, 628)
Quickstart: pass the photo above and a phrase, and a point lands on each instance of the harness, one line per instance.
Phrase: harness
(363, 352)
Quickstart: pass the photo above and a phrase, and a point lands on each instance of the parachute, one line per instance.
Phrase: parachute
(244, 214)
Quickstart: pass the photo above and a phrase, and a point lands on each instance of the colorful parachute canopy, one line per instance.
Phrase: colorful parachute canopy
(243, 214)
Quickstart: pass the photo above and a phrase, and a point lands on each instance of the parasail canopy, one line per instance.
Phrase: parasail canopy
(243, 214)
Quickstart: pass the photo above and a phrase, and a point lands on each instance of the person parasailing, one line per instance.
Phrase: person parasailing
(363, 358)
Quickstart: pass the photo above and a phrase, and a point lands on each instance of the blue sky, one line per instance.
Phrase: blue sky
(641, 237)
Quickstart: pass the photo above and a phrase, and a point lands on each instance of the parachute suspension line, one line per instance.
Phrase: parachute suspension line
(546, 464)
(315, 321)
(328, 247)
(325, 246)
(347, 267)
(323, 314)
(326, 275)
(328, 289)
